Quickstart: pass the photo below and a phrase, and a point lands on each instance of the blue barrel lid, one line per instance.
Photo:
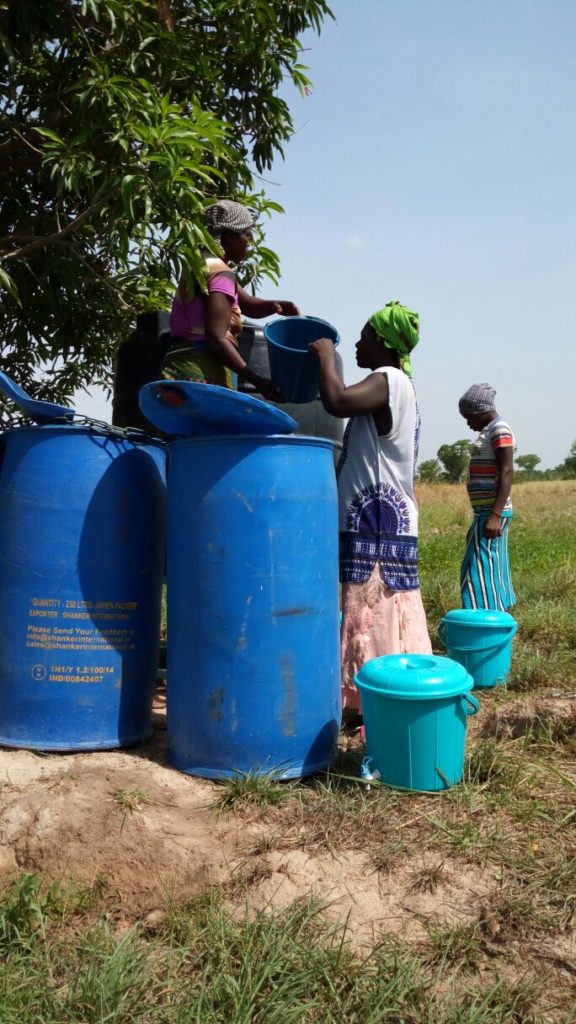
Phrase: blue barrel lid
(186, 409)
(414, 677)
(479, 617)
(37, 409)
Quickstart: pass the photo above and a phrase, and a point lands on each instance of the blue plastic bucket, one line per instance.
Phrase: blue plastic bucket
(82, 526)
(415, 708)
(253, 680)
(481, 641)
(292, 367)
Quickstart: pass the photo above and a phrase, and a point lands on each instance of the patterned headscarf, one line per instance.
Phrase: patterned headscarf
(226, 215)
(478, 398)
(398, 327)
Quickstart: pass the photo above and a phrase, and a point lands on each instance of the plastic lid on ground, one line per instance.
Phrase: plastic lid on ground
(185, 408)
(414, 677)
(479, 617)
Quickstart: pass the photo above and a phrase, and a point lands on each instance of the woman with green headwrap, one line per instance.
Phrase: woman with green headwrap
(382, 610)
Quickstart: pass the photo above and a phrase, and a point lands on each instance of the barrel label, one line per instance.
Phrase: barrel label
(56, 624)
(79, 673)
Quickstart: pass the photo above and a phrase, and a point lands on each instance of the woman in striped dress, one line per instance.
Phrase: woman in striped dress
(485, 579)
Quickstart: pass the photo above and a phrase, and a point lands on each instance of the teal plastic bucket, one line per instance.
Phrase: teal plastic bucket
(481, 641)
(415, 709)
(292, 367)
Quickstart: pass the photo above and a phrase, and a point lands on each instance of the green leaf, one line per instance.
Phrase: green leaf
(9, 285)
(126, 190)
(48, 134)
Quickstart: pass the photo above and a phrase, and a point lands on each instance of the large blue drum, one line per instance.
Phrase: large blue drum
(82, 522)
(253, 641)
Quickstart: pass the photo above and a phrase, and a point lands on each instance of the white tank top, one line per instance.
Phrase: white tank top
(378, 515)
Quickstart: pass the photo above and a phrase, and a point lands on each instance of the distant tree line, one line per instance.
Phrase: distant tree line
(451, 465)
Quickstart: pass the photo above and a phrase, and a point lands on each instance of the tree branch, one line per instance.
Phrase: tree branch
(110, 288)
(26, 143)
(37, 243)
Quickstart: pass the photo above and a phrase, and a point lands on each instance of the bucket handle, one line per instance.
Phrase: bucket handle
(441, 634)
(470, 705)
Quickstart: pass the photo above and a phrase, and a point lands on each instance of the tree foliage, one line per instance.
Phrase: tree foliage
(567, 469)
(120, 121)
(430, 471)
(455, 458)
(528, 463)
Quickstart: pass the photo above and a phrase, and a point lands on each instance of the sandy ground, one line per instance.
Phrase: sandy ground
(66, 816)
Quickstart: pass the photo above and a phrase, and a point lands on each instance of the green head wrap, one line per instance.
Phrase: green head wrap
(398, 327)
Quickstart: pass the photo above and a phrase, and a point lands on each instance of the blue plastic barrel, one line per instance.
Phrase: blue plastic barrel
(292, 367)
(415, 708)
(481, 641)
(253, 640)
(82, 523)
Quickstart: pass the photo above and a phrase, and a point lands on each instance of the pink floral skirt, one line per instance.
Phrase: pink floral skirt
(376, 621)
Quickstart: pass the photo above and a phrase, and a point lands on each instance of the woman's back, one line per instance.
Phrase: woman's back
(187, 319)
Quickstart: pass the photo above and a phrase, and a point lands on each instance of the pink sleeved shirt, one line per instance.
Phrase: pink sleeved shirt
(187, 317)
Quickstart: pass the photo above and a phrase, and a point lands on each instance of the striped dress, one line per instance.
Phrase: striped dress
(485, 579)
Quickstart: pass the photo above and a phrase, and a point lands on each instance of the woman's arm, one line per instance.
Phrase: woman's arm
(217, 324)
(370, 395)
(505, 458)
(258, 308)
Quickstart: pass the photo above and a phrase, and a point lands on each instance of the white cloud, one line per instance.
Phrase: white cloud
(354, 242)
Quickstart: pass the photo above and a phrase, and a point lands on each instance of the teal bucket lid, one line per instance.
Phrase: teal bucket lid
(479, 618)
(414, 677)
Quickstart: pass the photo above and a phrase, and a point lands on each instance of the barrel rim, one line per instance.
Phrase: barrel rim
(259, 440)
(123, 434)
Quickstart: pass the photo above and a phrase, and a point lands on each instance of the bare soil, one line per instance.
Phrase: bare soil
(153, 833)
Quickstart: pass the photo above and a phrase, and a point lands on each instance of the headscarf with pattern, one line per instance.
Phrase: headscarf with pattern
(226, 215)
(478, 398)
(398, 327)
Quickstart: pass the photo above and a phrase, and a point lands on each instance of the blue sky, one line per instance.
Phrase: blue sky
(434, 163)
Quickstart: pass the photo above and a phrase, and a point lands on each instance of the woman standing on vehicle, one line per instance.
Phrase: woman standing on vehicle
(204, 326)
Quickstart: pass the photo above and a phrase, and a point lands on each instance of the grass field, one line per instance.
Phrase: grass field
(508, 957)
(542, 544)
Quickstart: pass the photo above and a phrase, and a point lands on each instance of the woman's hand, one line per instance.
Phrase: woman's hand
(493, 527)
(322, 349)
(285, 308)
(267, 388)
